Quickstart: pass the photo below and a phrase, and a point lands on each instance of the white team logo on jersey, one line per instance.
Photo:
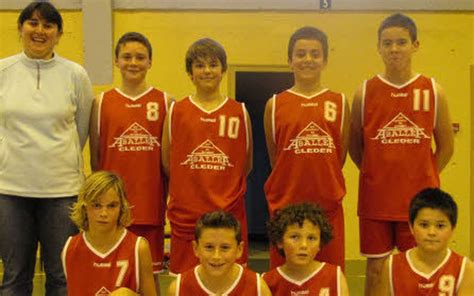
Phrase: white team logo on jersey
(299, 293)
(135, 138)
(207, 156)
(102, 264)
(312, 139)
(400, 130)
(102, 292)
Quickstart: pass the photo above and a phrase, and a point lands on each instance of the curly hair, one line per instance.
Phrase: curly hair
(297, 214)
(96, 185)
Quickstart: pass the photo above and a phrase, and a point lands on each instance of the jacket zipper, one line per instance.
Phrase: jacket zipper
(37, 76)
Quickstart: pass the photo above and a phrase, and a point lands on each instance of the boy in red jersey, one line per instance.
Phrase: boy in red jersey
(106, 258)
(299, 231)
(218, 244)
(207, 153)
(395, 117)
(126, 130)
(306, 130)
(430, 268)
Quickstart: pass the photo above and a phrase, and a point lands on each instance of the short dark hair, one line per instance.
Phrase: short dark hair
(133, 37)
(308, 33)
(215, 220)
(434, 198)
(399, 20)
(46, 10)
(205, 48)
(297, 214)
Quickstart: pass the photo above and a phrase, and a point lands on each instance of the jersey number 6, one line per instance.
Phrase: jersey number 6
(330, 111)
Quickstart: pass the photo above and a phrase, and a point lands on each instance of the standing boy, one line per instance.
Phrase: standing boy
(207, 151)
(218, 244)
(126, 130)
(395, 117)
(430, 268)
(306, 130)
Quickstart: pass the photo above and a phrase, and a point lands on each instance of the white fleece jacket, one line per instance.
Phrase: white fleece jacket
(45, 107)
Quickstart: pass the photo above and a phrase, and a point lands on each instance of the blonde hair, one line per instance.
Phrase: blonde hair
(96, 185)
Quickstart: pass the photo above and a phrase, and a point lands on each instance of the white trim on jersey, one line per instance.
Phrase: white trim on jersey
(259, 285)
(310, 96)
(247, 136)
(461, 273)
(137, 97)
(435, 94)
(100, 254)
(137, 263)
(338, 280)
(231, 288)
(273, 119)
(424, 274)
(178, 284)
(362, 103)
(303, 281)
(390, 274)
(165, 95)
(204, 110)
(170, 120)
(63, 255)
(376, 255)
(101, 98)
(398, 86)
(343, 113)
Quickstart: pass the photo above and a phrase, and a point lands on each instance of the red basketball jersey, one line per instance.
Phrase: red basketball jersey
(130, 134)
(208, 154)
(90, 272)
(405, 279)
(398, 161)
(246, 284)
(324, 281)
(307, 132)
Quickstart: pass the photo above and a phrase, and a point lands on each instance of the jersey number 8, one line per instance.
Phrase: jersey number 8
(152, 111)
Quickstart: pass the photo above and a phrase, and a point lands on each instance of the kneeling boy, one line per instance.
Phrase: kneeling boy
(218, 244)
(430, 268)
(298, 232)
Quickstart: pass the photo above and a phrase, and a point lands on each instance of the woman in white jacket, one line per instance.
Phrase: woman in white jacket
(45, 103)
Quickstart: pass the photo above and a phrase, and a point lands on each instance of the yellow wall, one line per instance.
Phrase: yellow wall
(472, 160)
(260, 38)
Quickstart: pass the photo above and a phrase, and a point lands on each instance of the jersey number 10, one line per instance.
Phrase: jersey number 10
(229, 126)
